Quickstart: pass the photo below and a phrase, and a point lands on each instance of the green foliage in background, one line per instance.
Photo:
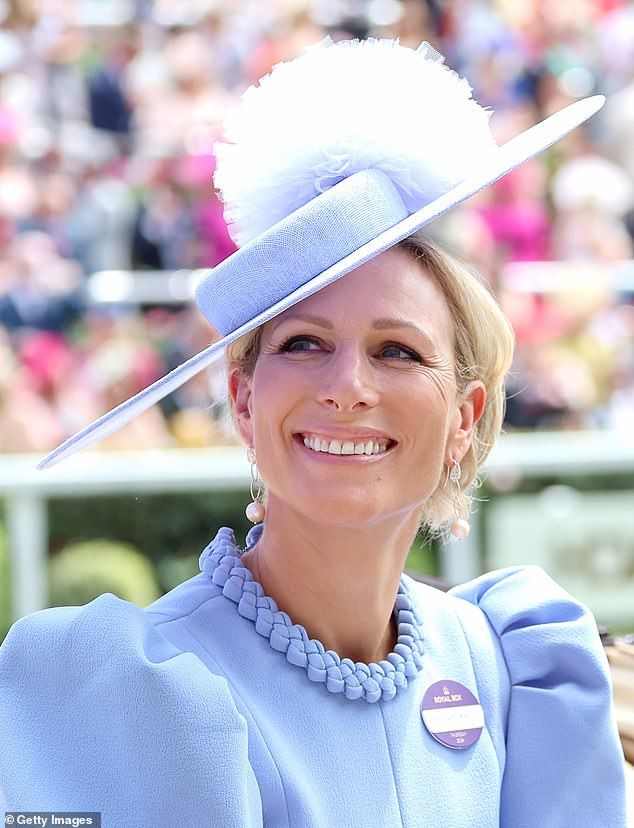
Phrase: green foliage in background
(161, 526)
(82, 571)
(423, 558)
(174, 570)
(5, 584)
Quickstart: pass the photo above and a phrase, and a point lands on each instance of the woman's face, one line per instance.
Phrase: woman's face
(349, 373)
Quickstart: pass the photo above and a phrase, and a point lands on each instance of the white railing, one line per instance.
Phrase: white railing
(169, 287)
(26, 490)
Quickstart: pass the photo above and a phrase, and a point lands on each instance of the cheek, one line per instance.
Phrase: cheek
(425, 422)
(274, 394)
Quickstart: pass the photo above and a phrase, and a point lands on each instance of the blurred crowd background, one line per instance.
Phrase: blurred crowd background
(108, 116)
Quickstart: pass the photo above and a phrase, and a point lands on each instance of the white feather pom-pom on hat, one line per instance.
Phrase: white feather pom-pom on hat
(341, 108)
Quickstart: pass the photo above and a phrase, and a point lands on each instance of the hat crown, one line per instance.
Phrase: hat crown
(311, 239)
(341, 108)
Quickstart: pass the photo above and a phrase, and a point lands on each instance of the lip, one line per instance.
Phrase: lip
(340, 459)
(357, 433)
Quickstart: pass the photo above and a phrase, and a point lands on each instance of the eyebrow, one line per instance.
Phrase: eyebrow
(378, 324)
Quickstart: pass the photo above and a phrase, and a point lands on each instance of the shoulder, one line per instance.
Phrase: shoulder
(112, 647)
(519, 594)
(538, 623)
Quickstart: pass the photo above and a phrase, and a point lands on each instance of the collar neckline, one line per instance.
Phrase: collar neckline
(220, 561)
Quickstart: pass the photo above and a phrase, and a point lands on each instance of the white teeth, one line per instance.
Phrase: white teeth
(346, 446)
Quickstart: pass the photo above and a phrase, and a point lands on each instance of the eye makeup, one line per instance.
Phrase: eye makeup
(285, 346)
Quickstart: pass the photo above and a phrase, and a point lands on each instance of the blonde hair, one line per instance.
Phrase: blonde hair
(484, 351)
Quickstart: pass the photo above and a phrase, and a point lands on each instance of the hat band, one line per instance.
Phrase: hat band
(299, 247)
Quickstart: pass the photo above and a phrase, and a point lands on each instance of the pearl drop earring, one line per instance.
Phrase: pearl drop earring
(460, 527)
(256, 510)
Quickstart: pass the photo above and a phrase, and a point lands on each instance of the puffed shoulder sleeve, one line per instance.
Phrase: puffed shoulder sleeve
(100, 712)
(564, 762)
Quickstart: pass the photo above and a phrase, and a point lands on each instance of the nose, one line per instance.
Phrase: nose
(348, 380)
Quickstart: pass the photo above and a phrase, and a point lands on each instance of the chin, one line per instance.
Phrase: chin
(342, 511)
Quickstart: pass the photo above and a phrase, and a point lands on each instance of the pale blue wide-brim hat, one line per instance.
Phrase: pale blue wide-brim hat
(328, 161)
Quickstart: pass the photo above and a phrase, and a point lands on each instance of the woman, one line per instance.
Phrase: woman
(305, 680)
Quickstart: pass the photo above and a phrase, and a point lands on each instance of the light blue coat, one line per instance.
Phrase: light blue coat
(189, 712)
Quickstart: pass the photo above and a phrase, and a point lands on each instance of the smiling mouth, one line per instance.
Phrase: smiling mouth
(300, 440)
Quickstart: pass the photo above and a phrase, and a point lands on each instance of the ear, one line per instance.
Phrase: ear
(467, 413)
(239, 388)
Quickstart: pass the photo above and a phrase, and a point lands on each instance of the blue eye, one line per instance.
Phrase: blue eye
(287, 346)
(410, 354)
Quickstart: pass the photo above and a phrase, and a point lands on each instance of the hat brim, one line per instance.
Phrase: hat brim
(510, 155)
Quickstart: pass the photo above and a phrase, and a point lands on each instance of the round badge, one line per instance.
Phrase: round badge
(452, 714)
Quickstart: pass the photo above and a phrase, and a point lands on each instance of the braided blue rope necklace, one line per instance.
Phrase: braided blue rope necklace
(220, 561)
